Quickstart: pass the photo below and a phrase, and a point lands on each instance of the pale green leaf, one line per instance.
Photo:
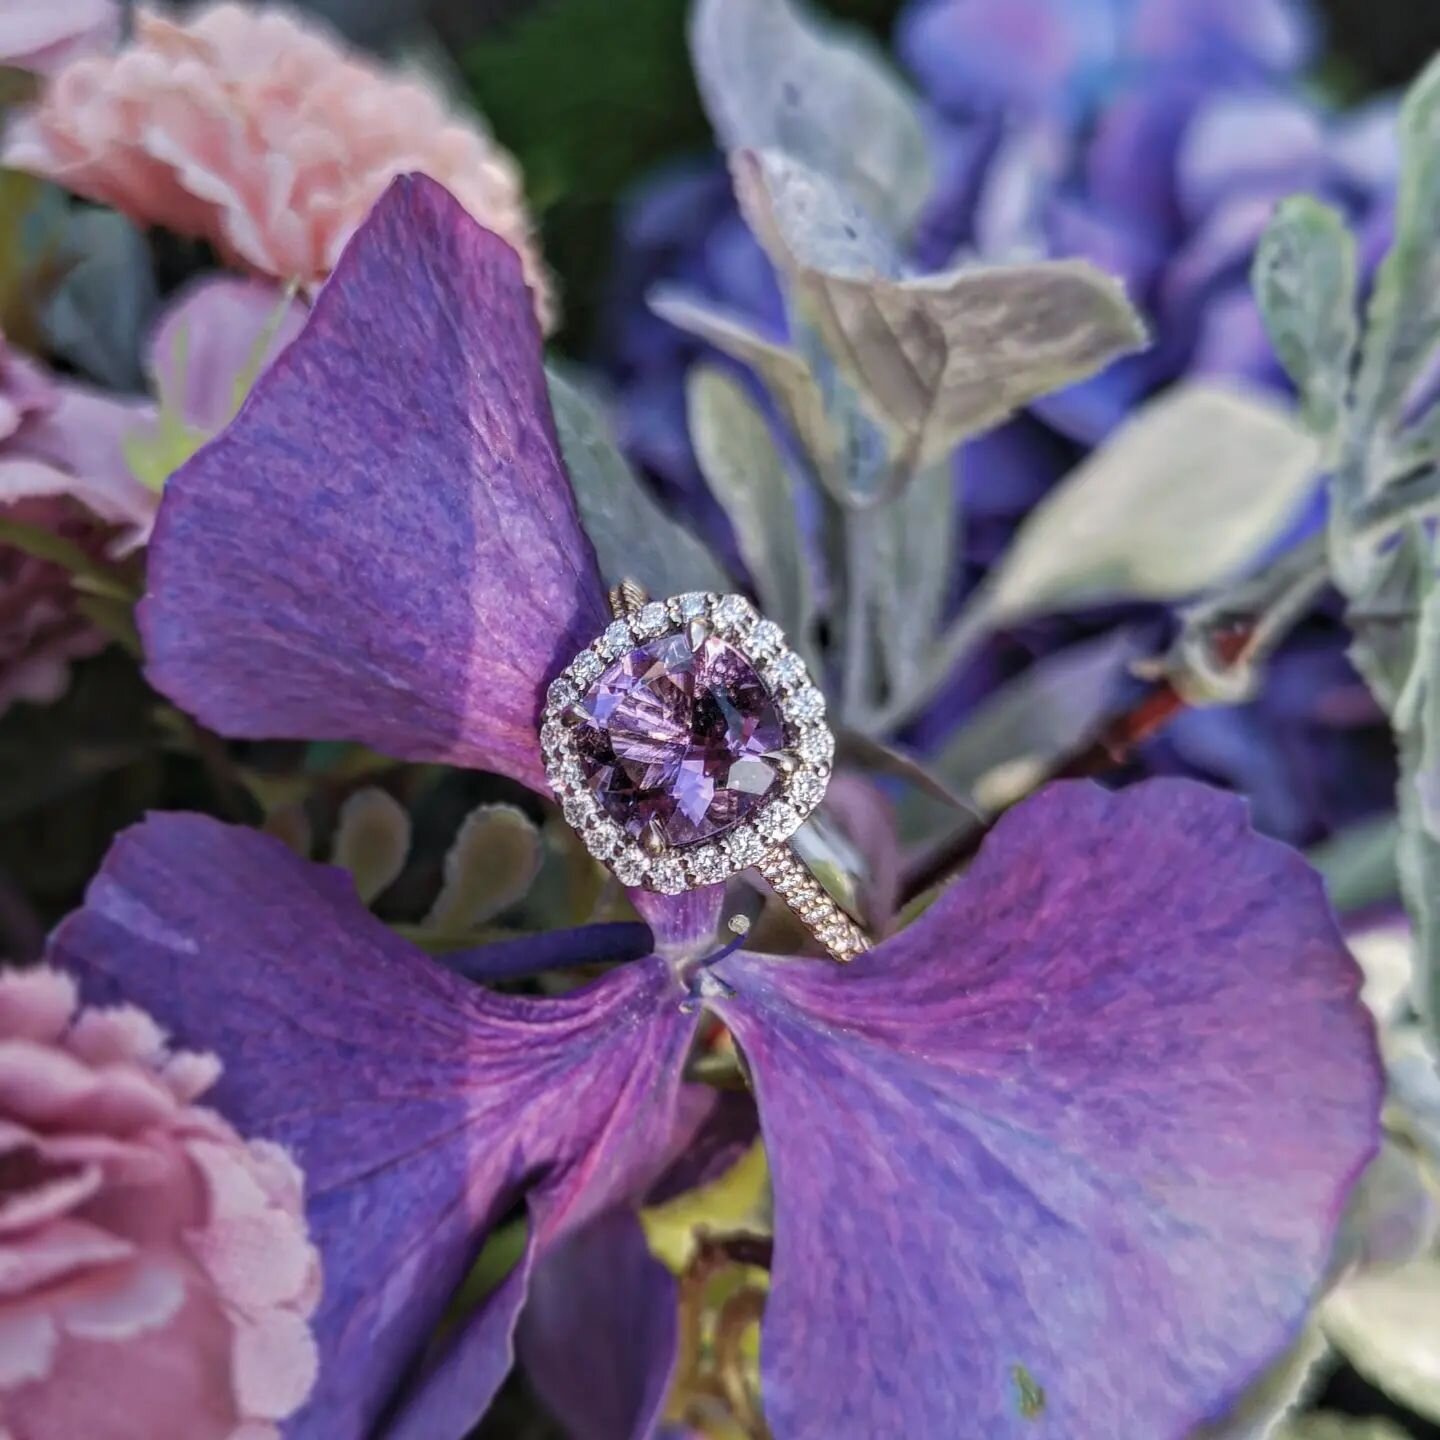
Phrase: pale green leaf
(1387, 1324)
(750, 479)
(1304, 279)
(783, 372)
(633, 537)
(490, 867)
(941, 357)
(916, 545)
(774, 75)
(1052, 708)
(1404, 316)
(1182, 497)
(372, 840)
(1262, 1409)
(1358, 864)
(1323, 1426)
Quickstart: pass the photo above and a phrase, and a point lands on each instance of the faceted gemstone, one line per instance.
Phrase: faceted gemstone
(676, 736)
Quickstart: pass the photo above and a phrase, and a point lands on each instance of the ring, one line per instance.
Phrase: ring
(687, 743)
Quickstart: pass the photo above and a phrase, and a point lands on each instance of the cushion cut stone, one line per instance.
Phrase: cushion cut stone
(677, 737)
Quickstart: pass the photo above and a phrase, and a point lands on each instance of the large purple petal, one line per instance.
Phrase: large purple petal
(419, 1106)
(1066, 1157)
(598, 1338)
(383, 546)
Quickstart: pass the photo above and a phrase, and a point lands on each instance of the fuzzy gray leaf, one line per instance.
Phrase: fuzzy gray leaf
(632, 535)
(372, 840)
(1182, 497)
(490, 867)
(752, 483)
(940, 357)
(1304, 279)
(776, 76)
(1404, 318)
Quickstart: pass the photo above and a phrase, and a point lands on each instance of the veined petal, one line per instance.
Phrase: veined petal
(419, 1107)
(598, 1339)
(1066, 1157)
(383, 546)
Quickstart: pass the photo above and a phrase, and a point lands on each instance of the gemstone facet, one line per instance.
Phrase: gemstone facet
(676, 734)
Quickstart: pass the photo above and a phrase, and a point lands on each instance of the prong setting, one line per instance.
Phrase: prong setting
(801, 766)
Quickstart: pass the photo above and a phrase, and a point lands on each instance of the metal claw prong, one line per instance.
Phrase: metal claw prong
(787, 762)
(652, 841)
(626, 598)
(697, 632)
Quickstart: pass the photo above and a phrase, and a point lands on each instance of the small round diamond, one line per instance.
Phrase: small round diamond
(552, 736)
(766, 637)
(806, 705)
(562, 693)
(586, 668)
(617, 638)
(630, 866)
(777, 822)
(692, 605)
(566, 774)
(707, 865)
(652, 619)
(816, 744)
(667, 875)
(806, 790)
(734, 613)
(785, 671)
(744, 846)
(603, 839)
(578, 808)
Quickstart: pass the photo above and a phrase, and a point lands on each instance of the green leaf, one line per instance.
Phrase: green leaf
(751, 481)
(938, 358)
(1182, 497)
(776, 76)
(633, 537)
(1304, 279)
(1262, 1409)
(1322, 1426)
(100, 312)
(1358, 864)
(490, 867)
(1387, 1324)
(372, 841)
(1049, 710)
(916, 542)
(783, 373)
(1404, 317)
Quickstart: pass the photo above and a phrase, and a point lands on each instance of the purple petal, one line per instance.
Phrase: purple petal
(683, 925)
(419, 1107)
(214, 341)
(383, 547)
(598, 1338)
(1066, 1157)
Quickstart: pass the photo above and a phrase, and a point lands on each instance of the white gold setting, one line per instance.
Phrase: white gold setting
(802, 768)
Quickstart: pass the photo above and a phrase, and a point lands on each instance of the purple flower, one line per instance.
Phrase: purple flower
(1115, 1081)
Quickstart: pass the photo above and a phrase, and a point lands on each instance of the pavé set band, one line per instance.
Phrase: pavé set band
(686, 743)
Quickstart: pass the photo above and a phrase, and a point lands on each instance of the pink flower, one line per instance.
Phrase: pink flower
(62, 470)
(258, 133)
(156, 1276)
(88, 467)
(46, 36)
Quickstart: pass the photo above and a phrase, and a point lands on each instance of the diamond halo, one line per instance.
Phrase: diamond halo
(802, 768)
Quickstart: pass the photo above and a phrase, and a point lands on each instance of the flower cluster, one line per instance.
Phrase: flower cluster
(1075, 1128)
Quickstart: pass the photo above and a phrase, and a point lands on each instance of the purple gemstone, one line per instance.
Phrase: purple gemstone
(676, 736)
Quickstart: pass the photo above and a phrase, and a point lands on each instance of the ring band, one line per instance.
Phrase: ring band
(687, 743)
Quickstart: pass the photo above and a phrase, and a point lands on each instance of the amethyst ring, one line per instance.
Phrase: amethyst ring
(687, 743)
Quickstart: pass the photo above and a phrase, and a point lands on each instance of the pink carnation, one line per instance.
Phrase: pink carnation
(156, 1277)
(260, 134)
